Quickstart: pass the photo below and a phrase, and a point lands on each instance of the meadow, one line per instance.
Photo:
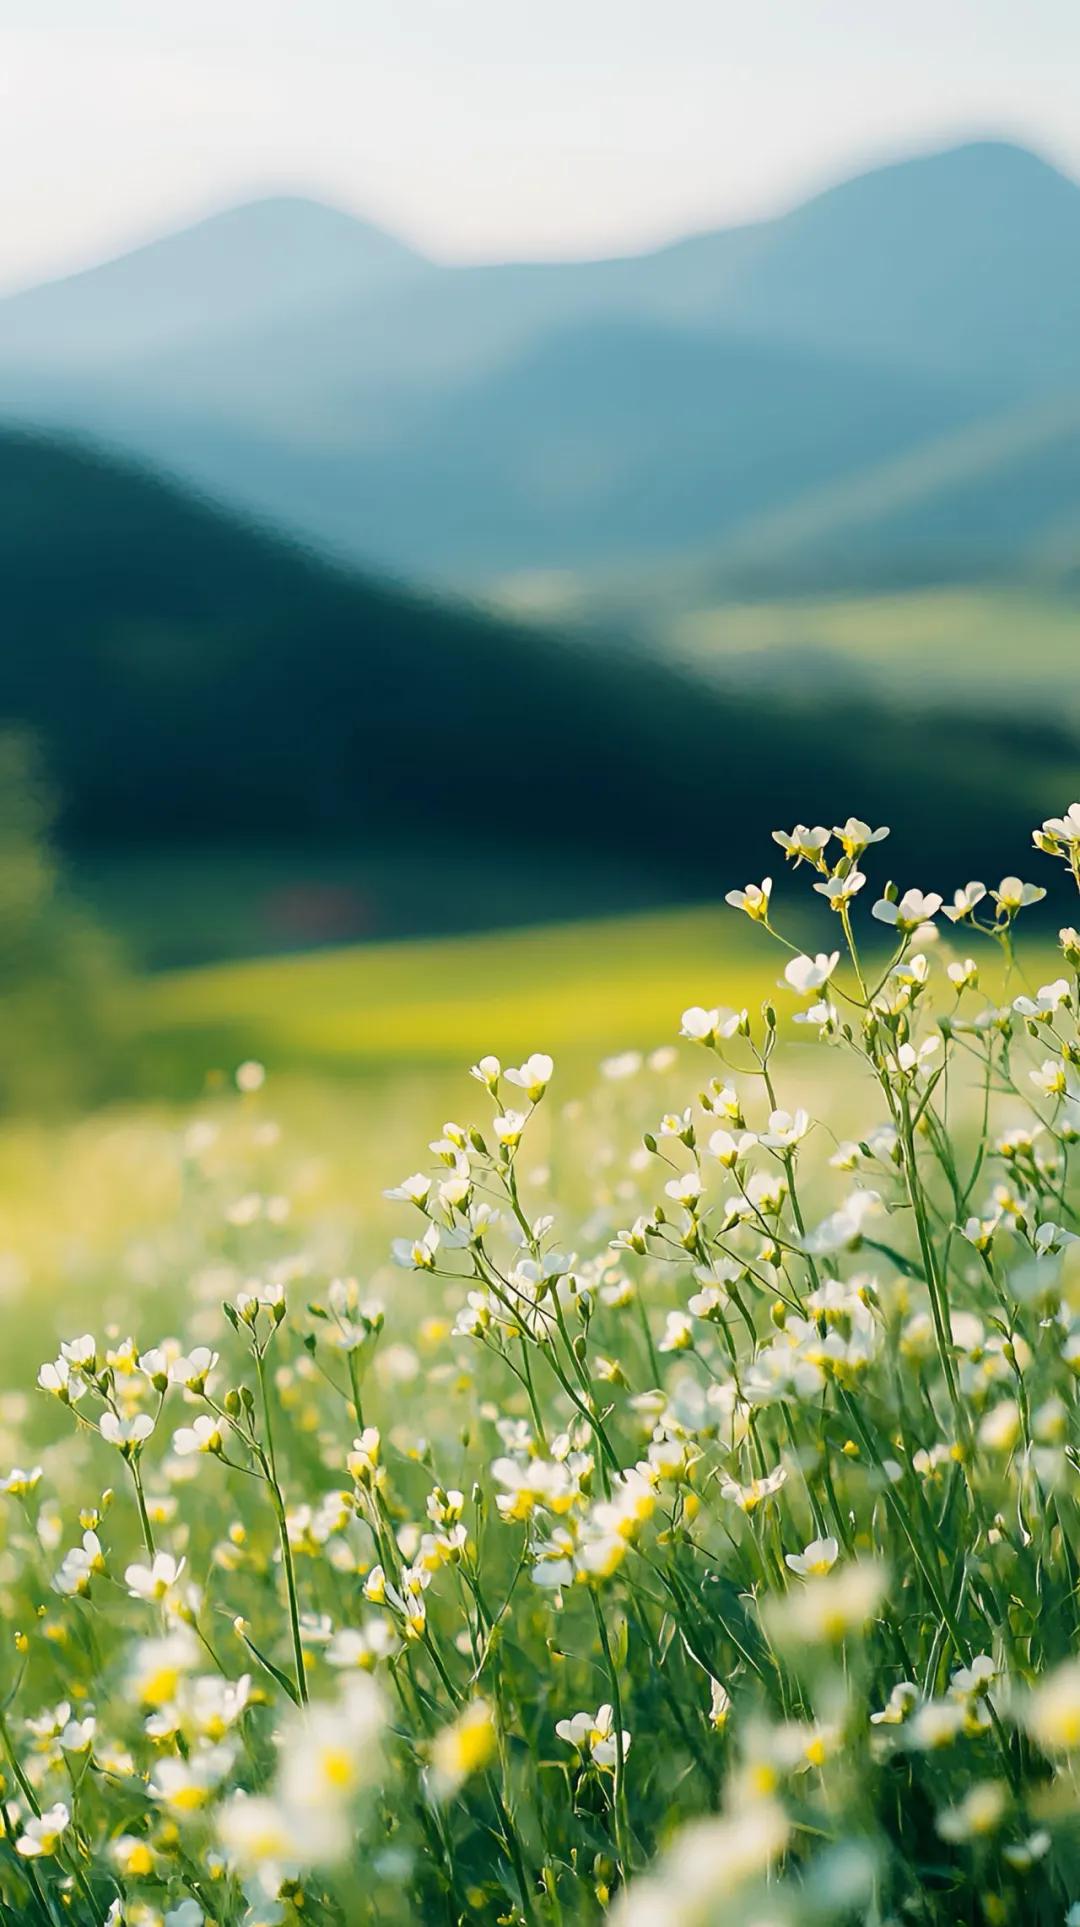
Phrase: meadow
(632, 1475)
(923, 646)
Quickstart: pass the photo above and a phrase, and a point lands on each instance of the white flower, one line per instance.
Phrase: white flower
(508, 1128)
(749, 1497)
(678, 1333)
(785, 1130)
(803, 844)
(963, 976)
(913, 909)
(187, 1914)
(686, 1189)
(533, 1076)
(155, 1581)
(754, 899)
(159, 1665)
(594, 1733)
(81, 1352)
(1011, 895)
(819, 1556)
(19, 1483)
(935, 1725)
(806, 974)
(78, 1735)
(857, 836)
(1051, 1078)
(1047, 1001)
(823, 1014)
(702, 1874)
(903, 1698)
(125, 1433)
(830, 1606)
(1051, 1713)
(840, 890)
(186, 1786)
(463, 1748)
(1064, 829)
(362, 1646)
(417, 1254)
(270, 1297)
(412, 1190)
(965, 901)
(709, 1303)
(709, 1026)
(203, 1436)
(41, 1836)
(329, 1753)
(79, 1566)
(846, 1227)
(1022, 1855)
(193, 1370)
(728, 1149)
(47, 1725)
(914, 1061)
(719, 1705)
(980, 1812)
(62, 1381)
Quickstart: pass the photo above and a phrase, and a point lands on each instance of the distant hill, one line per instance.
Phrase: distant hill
(959, 261)
(195, 681)
(962, 262)
(273, 258)
(994, 500)
(449, 422)
(609, 440)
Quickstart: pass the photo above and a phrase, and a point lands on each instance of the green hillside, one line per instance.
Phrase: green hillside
(199, 685)
(193, 678)
(924, 647)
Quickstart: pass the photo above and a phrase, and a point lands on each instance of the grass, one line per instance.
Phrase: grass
(747, 1586)
(585, 988)
(974, 641)
(368, 1049)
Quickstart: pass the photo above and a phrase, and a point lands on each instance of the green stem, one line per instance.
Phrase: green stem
(269, 1466)
(618, 1804)
(140, 1500)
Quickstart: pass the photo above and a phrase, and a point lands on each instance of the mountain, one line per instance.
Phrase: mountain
(995, 499)
(963, 262)
(197, 683)
(602, 442)
(463, 423)
(276, 257)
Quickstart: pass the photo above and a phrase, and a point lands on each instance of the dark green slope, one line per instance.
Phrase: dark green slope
(192, 679)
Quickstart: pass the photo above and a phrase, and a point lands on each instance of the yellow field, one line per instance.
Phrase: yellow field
(584, 988)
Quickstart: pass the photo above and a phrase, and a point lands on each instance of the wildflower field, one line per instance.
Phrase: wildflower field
(662, 1505)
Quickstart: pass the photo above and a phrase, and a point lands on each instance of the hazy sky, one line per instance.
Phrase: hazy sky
(487, 128)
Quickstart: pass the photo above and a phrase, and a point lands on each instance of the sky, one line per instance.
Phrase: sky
(495, 129)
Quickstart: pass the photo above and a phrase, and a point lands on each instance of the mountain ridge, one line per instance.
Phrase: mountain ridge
(360, 389)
